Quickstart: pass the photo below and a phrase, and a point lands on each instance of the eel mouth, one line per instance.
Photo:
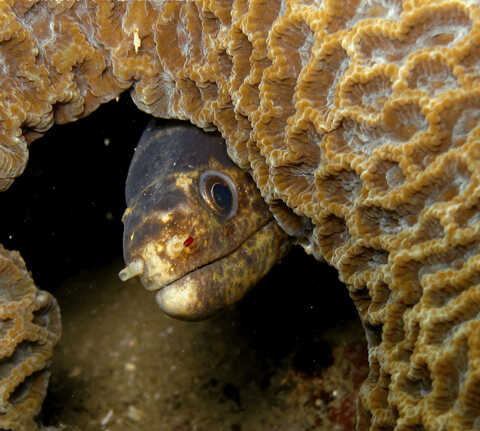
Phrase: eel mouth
(217, 259)
(206, 289)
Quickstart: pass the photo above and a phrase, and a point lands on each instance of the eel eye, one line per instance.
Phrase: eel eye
(219, 192)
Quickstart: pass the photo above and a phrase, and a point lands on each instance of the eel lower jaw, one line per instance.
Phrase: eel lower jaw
(205, 290)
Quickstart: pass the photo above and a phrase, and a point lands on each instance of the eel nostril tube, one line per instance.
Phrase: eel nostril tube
(133, 269)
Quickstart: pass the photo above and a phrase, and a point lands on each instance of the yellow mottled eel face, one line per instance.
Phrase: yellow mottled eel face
(196, 228)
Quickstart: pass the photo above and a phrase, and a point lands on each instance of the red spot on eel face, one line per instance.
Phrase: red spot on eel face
(188, 241)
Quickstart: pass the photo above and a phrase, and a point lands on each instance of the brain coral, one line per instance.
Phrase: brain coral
(30, 327)
(358, 121)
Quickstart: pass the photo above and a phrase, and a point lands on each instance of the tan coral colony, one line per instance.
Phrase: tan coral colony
(359, 121)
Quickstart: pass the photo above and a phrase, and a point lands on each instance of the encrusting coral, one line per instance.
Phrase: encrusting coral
(358, 121)
(30, 328)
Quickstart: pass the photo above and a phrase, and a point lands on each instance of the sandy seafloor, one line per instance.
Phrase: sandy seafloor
(124, 365)
(287, 358)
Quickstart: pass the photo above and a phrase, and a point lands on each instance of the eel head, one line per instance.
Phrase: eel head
(197, 230)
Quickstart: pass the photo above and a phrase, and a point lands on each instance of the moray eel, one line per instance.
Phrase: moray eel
(197, 230)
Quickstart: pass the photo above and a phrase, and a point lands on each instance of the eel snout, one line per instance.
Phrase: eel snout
(133, 269)
(197, 231)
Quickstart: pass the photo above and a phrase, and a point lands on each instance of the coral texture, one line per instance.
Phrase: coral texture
(357, 120)
(30, 327)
